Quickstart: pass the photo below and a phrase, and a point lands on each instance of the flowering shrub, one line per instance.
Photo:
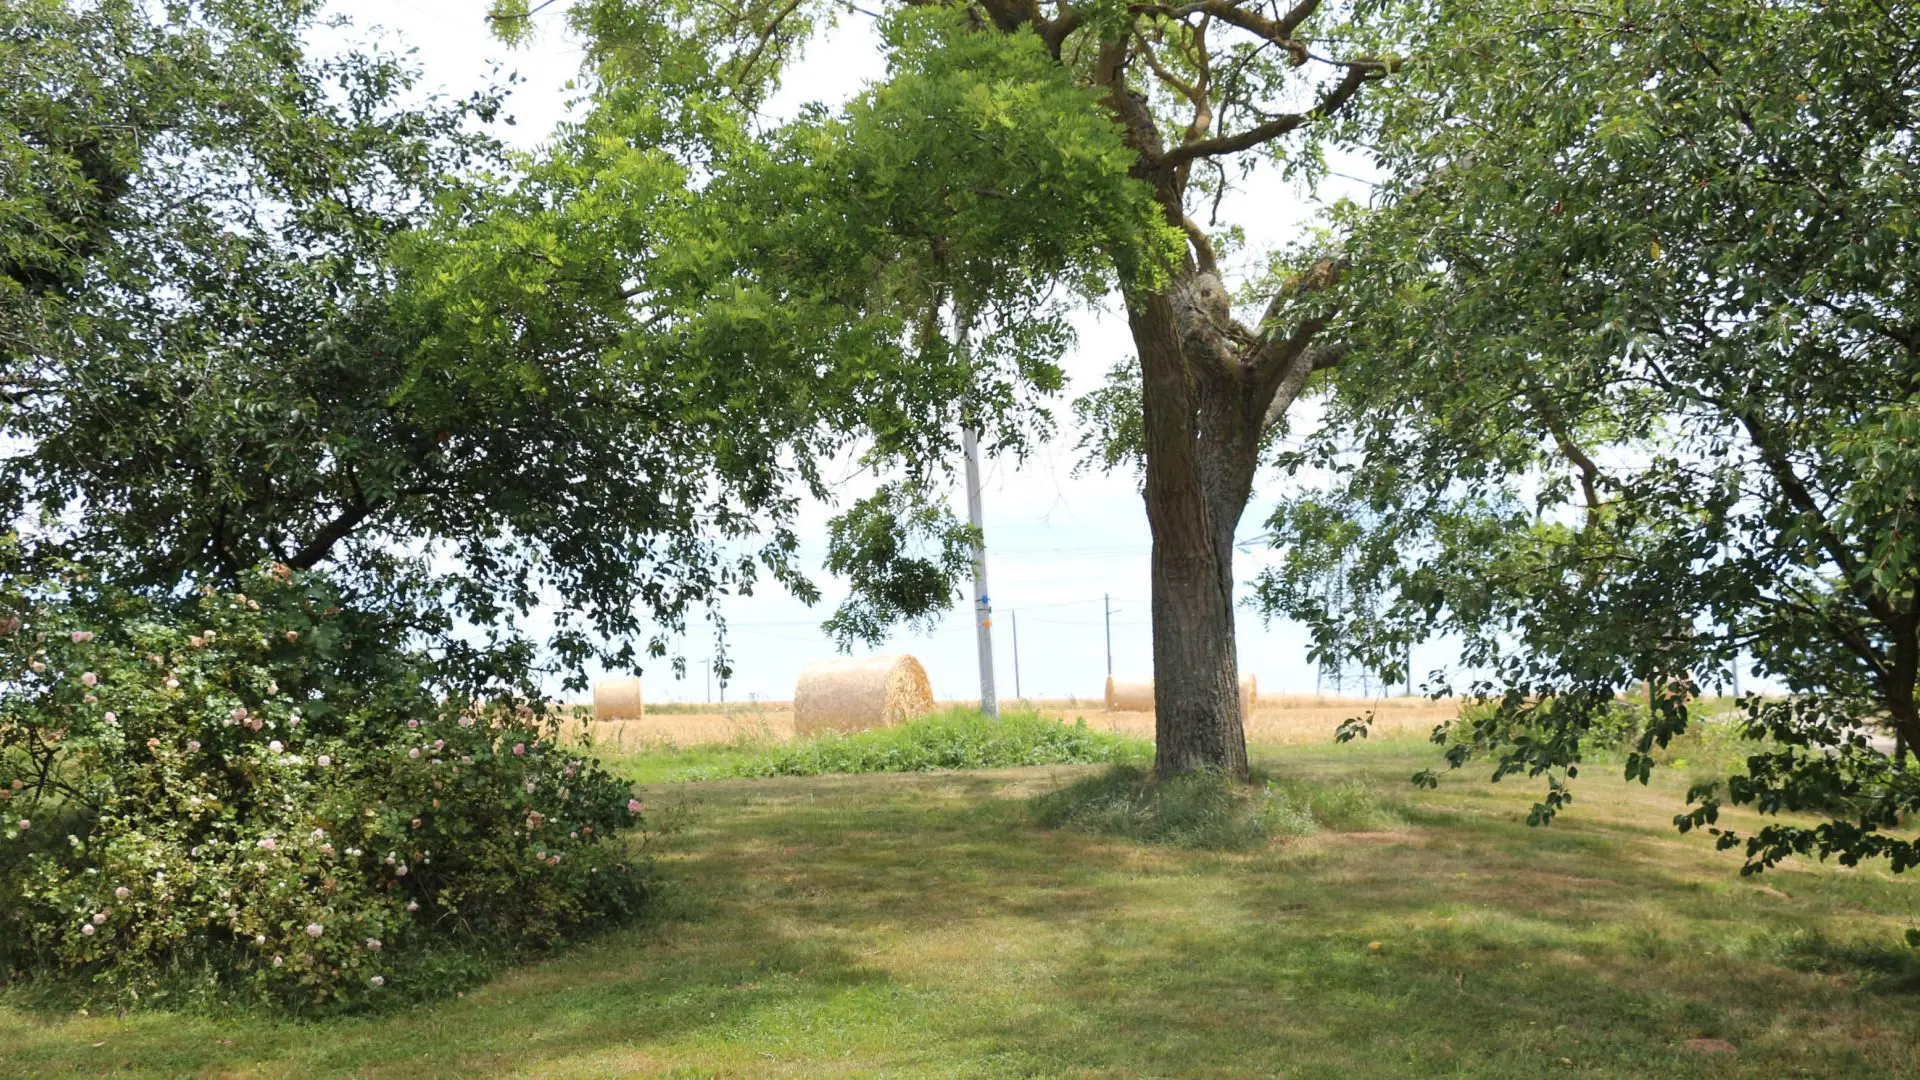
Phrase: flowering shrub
(238, 789)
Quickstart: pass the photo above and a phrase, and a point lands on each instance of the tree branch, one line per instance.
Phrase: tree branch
(765, 35)
(1203, 252)
(1358, 72)
(330, 534)
(1313, 358)
(1279, 31)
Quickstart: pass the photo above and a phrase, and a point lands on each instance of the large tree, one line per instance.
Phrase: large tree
(240, 289)
(1635, 393)
(996, 141)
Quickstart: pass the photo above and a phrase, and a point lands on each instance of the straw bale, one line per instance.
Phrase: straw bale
(853, 695)
(617, 697)
(1136, 695)
(1132, 695)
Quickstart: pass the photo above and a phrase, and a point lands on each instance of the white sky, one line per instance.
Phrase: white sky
(1056, 543)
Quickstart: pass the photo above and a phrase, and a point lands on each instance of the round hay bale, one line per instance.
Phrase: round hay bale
(617, 697)
(853, 695)
(1136, 695)
(1132, 695)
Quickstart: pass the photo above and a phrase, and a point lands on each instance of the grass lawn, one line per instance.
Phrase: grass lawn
(921, 925)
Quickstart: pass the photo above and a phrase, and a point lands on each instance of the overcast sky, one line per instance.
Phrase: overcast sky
(1057, 543)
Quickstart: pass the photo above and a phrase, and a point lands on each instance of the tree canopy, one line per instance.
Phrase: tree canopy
(1015, 157)
(251, 310)
(1632, 394)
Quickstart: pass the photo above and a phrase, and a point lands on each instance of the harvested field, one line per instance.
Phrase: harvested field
(1278, 719)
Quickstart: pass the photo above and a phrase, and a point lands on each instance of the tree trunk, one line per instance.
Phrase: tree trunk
(1197, 483)
(1209, 387)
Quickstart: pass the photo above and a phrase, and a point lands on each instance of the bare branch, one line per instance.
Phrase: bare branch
(1179, 85)
(1313, 358)
(1203, 252)
(1279, 31)
(1358, 72)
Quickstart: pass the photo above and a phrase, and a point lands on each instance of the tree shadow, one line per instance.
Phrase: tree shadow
(923, 924)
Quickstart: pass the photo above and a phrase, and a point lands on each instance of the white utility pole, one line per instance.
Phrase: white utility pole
(982, 603)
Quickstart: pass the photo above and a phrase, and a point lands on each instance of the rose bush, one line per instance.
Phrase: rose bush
(235, 792)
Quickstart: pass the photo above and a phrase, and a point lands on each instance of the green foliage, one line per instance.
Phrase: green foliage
(1207, 809)
(957, 738)
(870, 278)
(246, 314)
(900, 555)
(1631, 392)
(237, 797)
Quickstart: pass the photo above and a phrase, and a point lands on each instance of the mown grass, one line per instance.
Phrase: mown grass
(955, 738)
(1208, 810)
(924, 925)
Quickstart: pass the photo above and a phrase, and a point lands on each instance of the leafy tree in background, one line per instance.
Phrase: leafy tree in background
(225, 339)
(1012, 148)
(1635, 392)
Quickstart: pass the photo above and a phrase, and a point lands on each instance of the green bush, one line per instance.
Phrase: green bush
(238, 798)
(1207, 809)
(957, 738)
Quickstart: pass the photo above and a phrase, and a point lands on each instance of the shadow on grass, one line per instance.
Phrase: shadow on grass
(920, 925)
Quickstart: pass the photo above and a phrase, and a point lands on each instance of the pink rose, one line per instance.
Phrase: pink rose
(293, 636)
(439, 744)
(413, 905)
(413, 725)
(413, 754)
(373, 943)
(87, 929)
(111, 717)
(633, 806)
(276, 746)
(324, 760)
(173, 684)
(122, 893)
(25, 824)
(267, 844)
(277, 961)
(90, 678)
(519, 749)
(99, 918)
(81, 637)
(193, 746)
(91, 700)
(238, 714)
(314, 929)
(377, 981)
